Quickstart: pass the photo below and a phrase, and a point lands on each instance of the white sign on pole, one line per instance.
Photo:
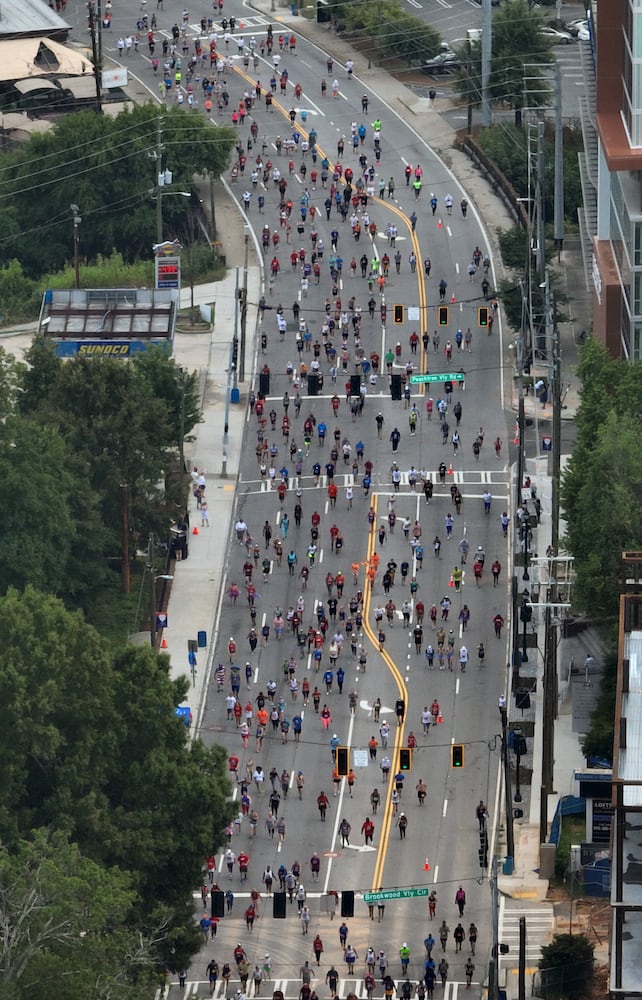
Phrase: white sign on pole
(360, 758)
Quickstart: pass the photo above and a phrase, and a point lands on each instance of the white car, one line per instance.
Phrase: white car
(584, 35)
(555, 35)
(573, 27)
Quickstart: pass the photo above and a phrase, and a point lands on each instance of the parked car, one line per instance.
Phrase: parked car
(443, 62)
(574, 26)
(555, 35)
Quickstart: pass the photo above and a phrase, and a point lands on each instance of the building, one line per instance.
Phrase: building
(626, 843)
(109, 322)
(616, 270)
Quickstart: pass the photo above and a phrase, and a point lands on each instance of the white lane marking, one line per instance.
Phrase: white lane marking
(338, 816)
(445, 809)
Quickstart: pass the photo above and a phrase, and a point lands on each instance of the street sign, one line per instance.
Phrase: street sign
(439, 377)
(374, 897)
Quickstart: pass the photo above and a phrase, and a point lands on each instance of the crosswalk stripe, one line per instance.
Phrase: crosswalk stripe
(345, 986)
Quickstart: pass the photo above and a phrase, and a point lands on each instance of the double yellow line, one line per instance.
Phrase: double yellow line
(386, 825)
(388, 814)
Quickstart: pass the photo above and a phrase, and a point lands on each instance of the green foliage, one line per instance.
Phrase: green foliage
(517, 44)
(123, 424)
(61, 911)
(602, 481)
(51, 534)
(599, 739)
(506, 145)
(395, 34)
(91, 746)
(566, 968)
(103, 165)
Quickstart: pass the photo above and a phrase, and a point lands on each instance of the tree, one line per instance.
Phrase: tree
(67, 920)
(394, 33)
(602, 481)
(598, 742)
(176, 388)
(607, 516)
(103, 165)
(112, 421)
(518, 50)
(566, 968)
(91, 746)
(51, 533)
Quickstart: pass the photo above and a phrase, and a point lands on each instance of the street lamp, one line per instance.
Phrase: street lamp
(526, 615)
(519, 746)
(77, 219)
(525, 528)
(164, 179)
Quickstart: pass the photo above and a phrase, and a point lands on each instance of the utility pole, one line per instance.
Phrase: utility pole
(75, 211)
(124, 537)
(243, 304)
(541, 231)
(160, 179)
(558, 221)
(469, 89)
(486, 54)
(152, 592)
(96, 52)
(553, 339)
(521, 971)
(493, 964)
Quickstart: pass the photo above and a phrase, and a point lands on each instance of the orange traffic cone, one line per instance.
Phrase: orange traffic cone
(426, 865)
(450, 582)
(440, 225)
(195, 530)
(440, 719)
(453, 299)
(450, 469)
(164, 643)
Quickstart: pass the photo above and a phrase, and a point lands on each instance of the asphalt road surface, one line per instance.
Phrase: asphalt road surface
(440, 845)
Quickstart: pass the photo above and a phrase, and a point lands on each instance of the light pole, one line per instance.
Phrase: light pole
(519, 746)
(526, 615)
(77, 219)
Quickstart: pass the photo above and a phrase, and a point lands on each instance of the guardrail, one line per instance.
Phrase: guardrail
(497, 179)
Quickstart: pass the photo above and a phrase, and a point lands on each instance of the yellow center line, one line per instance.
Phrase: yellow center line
(421, 282)
(388, 813)
(386, 825)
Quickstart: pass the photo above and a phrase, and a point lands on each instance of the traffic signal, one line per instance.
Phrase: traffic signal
(457, 755)
(343, 760)
(398, 314)
(405, 759)
(442, 313)
(482, 315)
(278, 906)
(395, 386)
(347, 903)
(218, 904)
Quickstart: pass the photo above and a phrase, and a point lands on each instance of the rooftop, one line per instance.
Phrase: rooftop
(29, 17)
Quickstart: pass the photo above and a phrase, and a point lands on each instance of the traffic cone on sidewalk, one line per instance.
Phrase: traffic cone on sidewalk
(452, 299)
(195, 530)
(440, 719)
(440, 225)
(164, 643)
(426, 865)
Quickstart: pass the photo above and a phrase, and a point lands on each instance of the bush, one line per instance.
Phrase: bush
(566, 967)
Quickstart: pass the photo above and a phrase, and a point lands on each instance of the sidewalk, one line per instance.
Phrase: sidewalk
(197, 589)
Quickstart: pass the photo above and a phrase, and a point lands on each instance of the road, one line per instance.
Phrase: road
(440, 846)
